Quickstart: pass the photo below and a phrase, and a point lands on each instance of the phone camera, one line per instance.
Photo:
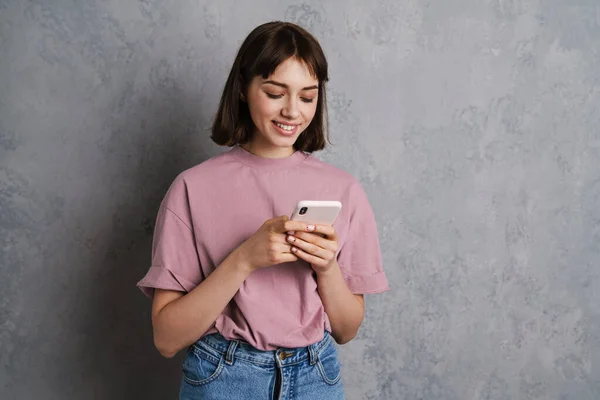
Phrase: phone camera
(303, 210)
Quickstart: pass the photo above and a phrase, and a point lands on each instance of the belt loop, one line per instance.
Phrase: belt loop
(312, 354)
(230, 351)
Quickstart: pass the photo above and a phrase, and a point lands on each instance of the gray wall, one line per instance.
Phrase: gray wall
(473, 125)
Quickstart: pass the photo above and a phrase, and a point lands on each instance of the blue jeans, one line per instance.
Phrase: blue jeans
(219, 369)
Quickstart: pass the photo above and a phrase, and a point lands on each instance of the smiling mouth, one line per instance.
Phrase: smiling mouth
(284, 126)
(285, 129)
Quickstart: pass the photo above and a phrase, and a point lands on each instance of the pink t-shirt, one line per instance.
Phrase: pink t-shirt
(212, 208)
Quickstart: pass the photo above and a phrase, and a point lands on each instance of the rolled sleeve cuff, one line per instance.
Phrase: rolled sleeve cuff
(163, 278)
(376, 283)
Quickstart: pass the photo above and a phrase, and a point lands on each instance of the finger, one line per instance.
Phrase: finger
(309, 258)
(318, 240)
(327, 230)
(308, 247)
(292, 226)
(277, 237)
(275, 223)
(283, 225)
(285, 252)
(284, 246)
(288, 257)
(312, 238)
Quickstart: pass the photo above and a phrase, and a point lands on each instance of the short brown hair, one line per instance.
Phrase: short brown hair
(266, 47)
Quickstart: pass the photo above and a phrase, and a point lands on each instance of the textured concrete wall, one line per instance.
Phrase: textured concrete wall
(473, 125)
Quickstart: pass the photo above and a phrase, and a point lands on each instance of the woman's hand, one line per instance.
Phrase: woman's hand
(268, 245)
(318, 246)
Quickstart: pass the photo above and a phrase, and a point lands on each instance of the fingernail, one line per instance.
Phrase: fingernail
(294, 249)
(291, 238)
(310, 227)
(291, 232)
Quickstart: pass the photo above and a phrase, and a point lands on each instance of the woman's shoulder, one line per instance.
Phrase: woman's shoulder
(200, 175)
(326, 170)
(205, 169)
(339, 180)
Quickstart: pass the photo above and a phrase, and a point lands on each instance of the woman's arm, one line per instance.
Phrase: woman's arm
(179, 320)
(345, 309)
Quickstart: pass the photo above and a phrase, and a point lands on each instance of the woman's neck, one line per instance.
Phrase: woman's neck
(268, 151)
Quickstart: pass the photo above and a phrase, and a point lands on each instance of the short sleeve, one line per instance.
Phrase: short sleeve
(175, 264)
(359, 256)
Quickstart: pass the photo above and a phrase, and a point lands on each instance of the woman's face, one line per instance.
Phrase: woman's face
(281, 106)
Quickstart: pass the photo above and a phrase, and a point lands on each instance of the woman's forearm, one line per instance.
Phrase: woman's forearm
(344, 308)
(179, 321)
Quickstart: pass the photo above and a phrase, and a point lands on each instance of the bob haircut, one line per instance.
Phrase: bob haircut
(267, 46)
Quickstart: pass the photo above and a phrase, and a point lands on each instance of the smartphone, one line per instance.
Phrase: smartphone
(318, 212)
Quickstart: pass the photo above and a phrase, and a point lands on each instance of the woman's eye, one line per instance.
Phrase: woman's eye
(278, 96)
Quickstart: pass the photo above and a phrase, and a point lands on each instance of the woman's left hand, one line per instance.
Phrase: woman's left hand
(317, 246)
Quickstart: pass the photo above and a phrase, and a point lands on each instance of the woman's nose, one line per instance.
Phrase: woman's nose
(290, 110)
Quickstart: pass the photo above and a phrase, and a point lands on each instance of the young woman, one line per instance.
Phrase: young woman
(256, 298)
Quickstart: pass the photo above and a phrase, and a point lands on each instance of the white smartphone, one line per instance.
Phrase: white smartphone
(319, 212)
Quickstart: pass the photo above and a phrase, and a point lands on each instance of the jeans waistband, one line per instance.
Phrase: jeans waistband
(234, 349)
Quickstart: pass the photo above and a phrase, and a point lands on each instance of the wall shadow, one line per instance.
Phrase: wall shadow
(154, 140)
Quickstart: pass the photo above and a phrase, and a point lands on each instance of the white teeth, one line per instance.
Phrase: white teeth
(285, 127)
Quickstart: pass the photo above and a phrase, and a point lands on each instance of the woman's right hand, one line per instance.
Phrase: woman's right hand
(268, 246)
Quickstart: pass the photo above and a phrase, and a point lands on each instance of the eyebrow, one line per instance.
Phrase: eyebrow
(283, 85)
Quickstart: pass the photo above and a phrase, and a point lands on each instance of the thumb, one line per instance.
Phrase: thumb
(278, 223)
